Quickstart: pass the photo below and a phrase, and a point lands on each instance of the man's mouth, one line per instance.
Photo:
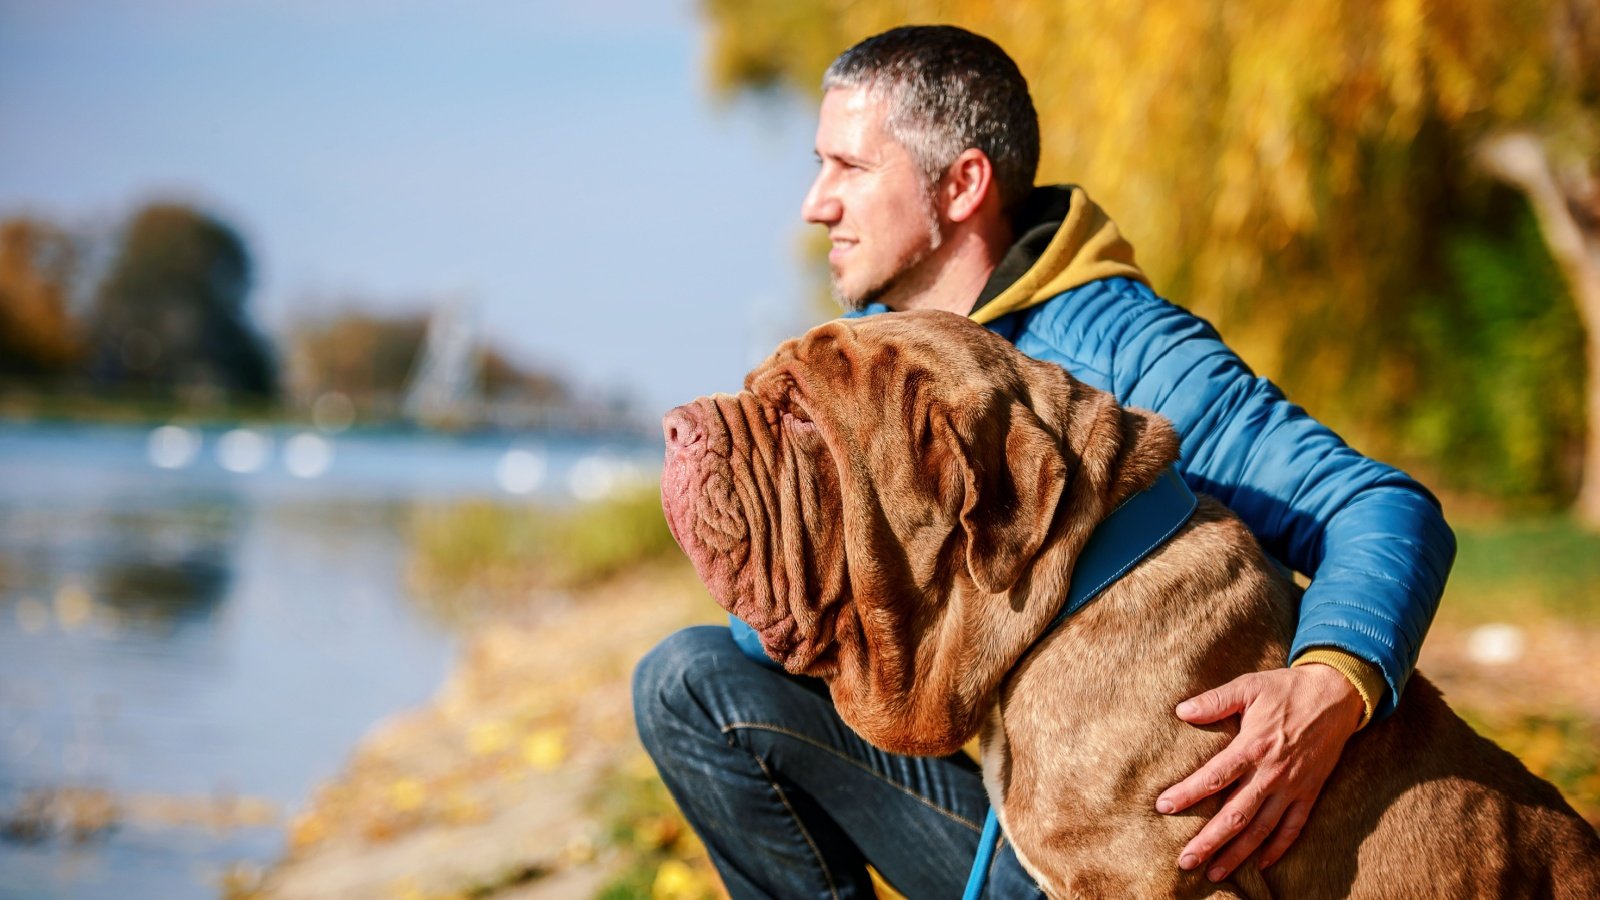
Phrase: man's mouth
(841, 248)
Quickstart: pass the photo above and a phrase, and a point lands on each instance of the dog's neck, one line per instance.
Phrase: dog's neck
(934, 701)
(1119, 452)
(1113, 453)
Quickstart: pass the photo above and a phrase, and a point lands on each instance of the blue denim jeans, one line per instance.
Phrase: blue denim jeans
(789, 801)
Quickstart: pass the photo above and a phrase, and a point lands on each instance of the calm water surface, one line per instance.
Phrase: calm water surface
(203, 633)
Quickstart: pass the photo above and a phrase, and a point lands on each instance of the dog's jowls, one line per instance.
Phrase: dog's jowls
(895, 503)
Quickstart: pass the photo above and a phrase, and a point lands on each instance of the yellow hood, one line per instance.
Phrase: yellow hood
(1085, 247)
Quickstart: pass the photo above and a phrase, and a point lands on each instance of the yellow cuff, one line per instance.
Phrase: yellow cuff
(1364, 676)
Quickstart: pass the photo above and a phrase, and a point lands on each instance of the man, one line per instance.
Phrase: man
(928, 144)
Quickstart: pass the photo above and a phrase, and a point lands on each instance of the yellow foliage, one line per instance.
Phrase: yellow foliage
(407, 794)
(408, 889)
(676, 880)
(1285, 170)
(545, 749)
(306, 830)
(460, 809)
(488, 738)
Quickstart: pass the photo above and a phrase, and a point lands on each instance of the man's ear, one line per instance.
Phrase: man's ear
(1012, 490)
(967, 184)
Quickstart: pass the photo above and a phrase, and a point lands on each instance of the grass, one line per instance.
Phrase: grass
(478, 559)
(1542, 575)
(1510, 569)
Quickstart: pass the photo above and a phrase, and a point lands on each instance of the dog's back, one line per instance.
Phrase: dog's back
(1085, 738)
(1421, 799)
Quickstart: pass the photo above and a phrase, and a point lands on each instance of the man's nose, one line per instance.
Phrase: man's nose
(680, 428)
(820, 206)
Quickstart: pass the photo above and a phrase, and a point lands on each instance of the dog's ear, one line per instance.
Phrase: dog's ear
(1013, 474)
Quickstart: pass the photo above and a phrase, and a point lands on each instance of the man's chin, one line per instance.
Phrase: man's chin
(854, 301)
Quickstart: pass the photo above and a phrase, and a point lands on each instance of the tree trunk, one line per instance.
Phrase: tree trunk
(1520, 160)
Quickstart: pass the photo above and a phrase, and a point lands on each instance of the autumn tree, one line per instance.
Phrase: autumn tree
(1332, 184)
(39, 266)
(171, 315)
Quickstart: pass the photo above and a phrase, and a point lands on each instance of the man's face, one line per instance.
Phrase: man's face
(871, 196)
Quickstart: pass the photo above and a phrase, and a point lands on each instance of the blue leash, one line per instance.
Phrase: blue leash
(1120, 542)
(988, 842)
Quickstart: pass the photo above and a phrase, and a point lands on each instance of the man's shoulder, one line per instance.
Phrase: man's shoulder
(1092, 321)
(1103, 302)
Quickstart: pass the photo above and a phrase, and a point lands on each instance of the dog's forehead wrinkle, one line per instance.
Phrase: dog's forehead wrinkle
(760, 430)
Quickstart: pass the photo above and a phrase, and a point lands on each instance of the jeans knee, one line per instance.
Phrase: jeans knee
(662, 678)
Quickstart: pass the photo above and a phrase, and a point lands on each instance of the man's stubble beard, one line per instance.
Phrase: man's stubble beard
(887, 285)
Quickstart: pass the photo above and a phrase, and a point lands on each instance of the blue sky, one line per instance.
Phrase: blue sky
(562, 164)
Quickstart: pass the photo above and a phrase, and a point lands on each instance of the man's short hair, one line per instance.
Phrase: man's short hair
(948, 90)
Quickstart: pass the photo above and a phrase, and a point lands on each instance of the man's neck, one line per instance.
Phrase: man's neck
(954, 277)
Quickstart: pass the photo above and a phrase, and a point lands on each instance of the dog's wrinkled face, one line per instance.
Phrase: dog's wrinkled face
(874, 488)
(751, 493)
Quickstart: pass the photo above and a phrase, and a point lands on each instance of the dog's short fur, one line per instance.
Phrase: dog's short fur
(895, 504)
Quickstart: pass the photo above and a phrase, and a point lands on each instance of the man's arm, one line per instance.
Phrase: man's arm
(1373, 540)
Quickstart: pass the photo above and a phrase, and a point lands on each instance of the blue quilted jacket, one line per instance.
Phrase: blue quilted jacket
(1373, 540)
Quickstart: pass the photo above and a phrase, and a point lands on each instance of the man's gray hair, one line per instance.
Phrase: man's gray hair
(948, 89)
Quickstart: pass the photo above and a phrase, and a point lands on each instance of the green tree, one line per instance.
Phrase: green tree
(39, 266)
(1321, 180)
(170, 315)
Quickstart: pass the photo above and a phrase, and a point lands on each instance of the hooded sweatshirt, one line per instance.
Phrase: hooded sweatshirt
(1373, 540)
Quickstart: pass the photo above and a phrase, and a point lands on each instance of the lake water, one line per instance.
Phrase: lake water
(210, 616)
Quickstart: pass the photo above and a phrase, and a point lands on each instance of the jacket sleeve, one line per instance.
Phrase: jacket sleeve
(1373, 540)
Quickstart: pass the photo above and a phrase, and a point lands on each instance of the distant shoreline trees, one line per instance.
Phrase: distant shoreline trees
(167, 321)
(371, 360)
(164, 326)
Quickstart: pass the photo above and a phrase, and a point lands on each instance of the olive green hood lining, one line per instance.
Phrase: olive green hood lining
(1064, 240)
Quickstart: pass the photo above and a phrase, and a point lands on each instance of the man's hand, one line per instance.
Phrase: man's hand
(1293, 723)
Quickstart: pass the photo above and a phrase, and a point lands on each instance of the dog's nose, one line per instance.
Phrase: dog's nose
(680, 428)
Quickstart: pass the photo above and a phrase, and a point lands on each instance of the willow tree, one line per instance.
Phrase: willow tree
(1320, 179)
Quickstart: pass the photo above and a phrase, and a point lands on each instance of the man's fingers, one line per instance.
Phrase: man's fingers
(1289, 828)
(1234, 817)
(1262, 826)
(1218, 703)
(1219, 772)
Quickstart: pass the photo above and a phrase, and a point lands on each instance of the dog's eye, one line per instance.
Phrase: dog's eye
(793, 411)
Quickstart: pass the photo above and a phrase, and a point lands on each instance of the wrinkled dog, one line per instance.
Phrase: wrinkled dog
(895, 503)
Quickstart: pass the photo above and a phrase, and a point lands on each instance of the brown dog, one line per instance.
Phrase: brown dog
(895, 503)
